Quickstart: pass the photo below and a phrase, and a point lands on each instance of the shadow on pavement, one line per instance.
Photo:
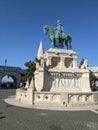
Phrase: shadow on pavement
(2, 116)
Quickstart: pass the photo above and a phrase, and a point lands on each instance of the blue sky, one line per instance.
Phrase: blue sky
(22, 21)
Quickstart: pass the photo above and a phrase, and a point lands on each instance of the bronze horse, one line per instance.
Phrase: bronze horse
(58, 37)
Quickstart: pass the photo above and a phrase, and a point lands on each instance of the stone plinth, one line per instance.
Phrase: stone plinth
(59, 73)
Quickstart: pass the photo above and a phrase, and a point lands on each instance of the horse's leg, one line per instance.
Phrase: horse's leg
(52, 42)
(66, 43)
(67, 46)
(70, 45)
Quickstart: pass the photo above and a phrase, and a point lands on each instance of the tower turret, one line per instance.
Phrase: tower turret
(40, 50)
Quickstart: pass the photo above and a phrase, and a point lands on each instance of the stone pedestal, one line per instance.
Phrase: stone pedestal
(60, 73)
(58, 80)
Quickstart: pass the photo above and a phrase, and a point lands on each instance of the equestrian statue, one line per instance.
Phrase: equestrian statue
(57, 36)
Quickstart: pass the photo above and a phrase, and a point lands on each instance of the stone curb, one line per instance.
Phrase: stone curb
(11, 100)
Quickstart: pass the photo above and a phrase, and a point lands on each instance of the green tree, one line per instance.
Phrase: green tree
(29, 72)
(81, 62)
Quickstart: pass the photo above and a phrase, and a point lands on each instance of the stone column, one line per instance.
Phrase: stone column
(48, 60)
(74, 63)
(62, 62)
(85, 83)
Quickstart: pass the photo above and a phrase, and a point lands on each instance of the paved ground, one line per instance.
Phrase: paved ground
(18, 118)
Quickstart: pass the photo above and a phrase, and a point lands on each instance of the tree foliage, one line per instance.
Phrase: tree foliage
(29, 72)
(81, 62)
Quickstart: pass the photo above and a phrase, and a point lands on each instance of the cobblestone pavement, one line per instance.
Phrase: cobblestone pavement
(18, 118)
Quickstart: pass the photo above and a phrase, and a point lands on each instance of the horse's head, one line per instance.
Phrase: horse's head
(45, 29)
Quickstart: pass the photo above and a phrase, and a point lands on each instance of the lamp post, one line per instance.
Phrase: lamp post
(5, 62)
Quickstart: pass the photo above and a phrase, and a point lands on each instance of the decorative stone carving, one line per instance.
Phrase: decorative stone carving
(84, 64)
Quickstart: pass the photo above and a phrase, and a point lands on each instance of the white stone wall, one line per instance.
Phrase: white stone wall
(66, 99)
(53, 98)
(25, 96)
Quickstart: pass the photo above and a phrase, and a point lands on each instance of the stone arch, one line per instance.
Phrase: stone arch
(15, 83)
(68, 62)
(10, 84)
(94, 78)
(94, 84)
(79, 98)
(14, 72)
(55, 61)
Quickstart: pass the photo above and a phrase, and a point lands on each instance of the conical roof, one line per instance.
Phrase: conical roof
(40, 50)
